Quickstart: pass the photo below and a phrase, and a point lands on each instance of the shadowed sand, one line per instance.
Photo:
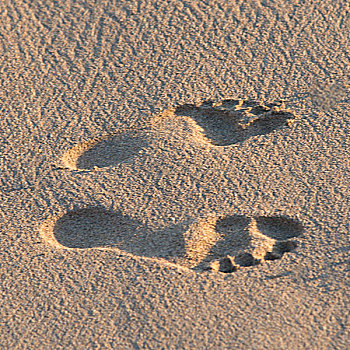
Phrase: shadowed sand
(101, 228)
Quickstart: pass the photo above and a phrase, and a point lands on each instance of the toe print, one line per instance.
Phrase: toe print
(231, 121)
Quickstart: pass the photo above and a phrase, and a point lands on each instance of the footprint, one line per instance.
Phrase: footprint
(218, 244)
(105, 152)
(278, 228)
(221, 123)
(232, 121)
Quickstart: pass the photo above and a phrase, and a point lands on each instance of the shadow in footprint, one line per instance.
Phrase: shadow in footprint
(279, 249)
(279, 228)
(246, 260)
(106, 152)
(98, 227)
(232, 121)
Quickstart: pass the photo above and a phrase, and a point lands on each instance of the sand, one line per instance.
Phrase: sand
(175, 174)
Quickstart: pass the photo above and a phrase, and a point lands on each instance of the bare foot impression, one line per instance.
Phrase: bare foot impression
(218, 123)
(220, 244)
(232, 121)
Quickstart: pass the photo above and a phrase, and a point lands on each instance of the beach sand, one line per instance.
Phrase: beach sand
(175, 174)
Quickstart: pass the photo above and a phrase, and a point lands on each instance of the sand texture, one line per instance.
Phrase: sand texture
(175, 174)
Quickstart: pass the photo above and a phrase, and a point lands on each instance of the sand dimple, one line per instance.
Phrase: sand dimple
(105, 152)
(232, 121)
(220, 244)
